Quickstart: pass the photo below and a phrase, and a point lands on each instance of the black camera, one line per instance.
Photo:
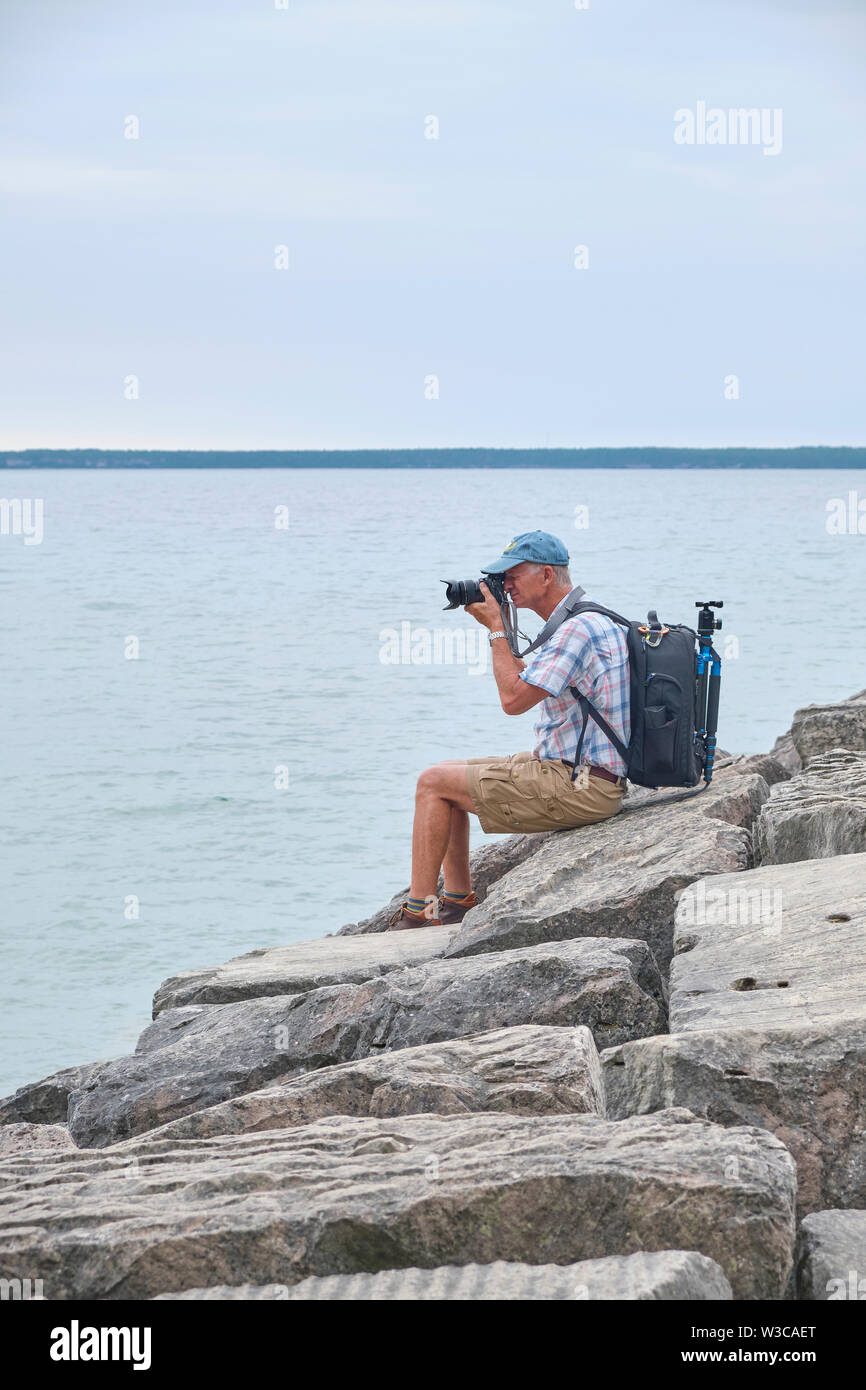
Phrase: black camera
(460, 592)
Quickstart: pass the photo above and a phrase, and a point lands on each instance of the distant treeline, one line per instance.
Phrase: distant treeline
(804, 457)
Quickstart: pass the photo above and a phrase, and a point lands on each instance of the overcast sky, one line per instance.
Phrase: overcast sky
(411, 258)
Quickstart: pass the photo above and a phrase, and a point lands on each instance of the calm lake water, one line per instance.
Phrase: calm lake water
(214, 721)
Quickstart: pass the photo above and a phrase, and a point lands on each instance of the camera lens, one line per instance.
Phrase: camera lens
(459, 592)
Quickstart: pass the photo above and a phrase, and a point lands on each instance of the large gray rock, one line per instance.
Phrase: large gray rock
(345, 1196)
(831, 1257)
(805, 1084)
(23, 1137)
(681, 1275)
(620, 877)
(771, 767)
(784, 750)
(331, 960)
(198, 1056)
(818, 729)
(819, 813)
(524, 1071)
(46, 1102)
(783, 945)
(487, 864)
(785, 753)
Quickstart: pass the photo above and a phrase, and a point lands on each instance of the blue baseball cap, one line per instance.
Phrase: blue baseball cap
(539, 546)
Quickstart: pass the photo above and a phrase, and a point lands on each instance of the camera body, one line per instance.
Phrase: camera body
(460, 592)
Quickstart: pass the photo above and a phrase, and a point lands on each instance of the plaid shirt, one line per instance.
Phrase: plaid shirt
(589, 652)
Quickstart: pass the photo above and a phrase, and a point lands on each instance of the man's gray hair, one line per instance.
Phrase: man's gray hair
(560, 572)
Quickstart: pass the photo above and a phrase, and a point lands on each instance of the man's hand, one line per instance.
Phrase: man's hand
(515, 696)
(486, 613)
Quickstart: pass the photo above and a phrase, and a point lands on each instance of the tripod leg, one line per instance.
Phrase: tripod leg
(715, 683)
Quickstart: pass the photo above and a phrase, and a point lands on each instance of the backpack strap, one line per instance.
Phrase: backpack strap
(572, 608)
(590, 712)
(588, 708)
(567, 611)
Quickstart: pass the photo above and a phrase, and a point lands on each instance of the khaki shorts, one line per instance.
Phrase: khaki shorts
(527, 794)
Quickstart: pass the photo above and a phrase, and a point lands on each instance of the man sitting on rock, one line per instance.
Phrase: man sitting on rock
(526, 791)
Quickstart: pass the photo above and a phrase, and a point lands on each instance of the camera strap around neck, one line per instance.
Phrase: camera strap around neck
(560, 615)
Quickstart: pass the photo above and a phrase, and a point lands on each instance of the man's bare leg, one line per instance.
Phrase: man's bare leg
(456, 863)
(442, 791)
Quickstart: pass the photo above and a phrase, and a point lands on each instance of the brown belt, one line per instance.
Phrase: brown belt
(594, 771)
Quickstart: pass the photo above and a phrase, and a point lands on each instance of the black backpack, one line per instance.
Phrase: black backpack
(663, 671)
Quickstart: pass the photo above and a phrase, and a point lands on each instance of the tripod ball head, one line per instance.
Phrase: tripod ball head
(707, 621)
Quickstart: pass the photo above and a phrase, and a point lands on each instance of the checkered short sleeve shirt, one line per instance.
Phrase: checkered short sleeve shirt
(589, 652)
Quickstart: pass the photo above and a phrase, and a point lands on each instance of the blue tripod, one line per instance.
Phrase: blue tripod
(709, 683)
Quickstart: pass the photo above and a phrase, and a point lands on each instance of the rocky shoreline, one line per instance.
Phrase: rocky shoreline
(637, 1070)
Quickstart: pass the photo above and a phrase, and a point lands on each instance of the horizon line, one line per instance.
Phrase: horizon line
(382, 448)
(8, 453)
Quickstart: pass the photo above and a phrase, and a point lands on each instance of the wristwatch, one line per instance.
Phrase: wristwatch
(492, 636)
